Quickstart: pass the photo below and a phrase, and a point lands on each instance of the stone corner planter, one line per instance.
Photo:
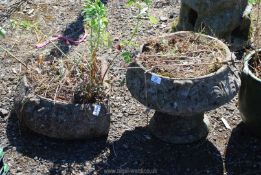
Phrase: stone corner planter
(180, 103)
(250, 98)
(59, 119)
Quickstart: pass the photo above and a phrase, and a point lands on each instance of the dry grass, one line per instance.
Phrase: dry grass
(61, 80)
(255, 65)
(183, 56)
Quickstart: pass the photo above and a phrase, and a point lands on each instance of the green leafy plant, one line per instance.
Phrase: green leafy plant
(80, 78)
(124, 47)
(96, 22)
(76, 78)
(89, 68)
(254, 1)
(143, 8)
(24, 24)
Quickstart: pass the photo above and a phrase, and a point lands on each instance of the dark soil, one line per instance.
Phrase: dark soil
(182, 56)
(129, 147)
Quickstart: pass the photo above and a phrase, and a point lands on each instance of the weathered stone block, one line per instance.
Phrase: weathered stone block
(225, 19)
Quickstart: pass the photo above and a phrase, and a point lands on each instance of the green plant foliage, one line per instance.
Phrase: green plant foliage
(13, 23)
(2, 32)
(143, 7)
(254, 1)
(126, 57)
(24, 24)
(153, 20)
(95, 18)
(96, 23)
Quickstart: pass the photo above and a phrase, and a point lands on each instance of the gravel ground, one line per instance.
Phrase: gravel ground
(129, 148)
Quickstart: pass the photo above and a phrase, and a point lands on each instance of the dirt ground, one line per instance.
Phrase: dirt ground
(129, 148)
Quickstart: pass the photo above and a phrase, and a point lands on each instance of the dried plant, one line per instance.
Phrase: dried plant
(77, 79)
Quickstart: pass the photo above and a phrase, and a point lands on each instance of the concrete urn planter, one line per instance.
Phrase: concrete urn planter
(250, 97)
(180, 103)
(60, 120)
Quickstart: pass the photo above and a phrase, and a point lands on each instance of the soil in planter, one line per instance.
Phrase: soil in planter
(255, 64)
(64, 80)
(182, 56)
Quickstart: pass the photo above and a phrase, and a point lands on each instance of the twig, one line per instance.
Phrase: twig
(14, 57)
(60, 85)
(109, 66)
(197, 51)
(169, 56)
(48, 85)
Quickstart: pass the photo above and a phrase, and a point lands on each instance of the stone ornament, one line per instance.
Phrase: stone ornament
(226, 19)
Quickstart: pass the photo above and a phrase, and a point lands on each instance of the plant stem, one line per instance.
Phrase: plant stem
(131, 38)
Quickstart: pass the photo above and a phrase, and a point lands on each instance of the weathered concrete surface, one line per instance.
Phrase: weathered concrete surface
(181, 103)
(179, 129)
(226, 19)
(59, 120)
(183, 97)
(250, 96)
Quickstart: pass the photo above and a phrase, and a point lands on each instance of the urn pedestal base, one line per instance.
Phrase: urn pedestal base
(179, 129)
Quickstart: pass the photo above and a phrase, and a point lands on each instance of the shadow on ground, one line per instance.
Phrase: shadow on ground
(73, 31)
(243, 153)
(57, 151)
(137, 152)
